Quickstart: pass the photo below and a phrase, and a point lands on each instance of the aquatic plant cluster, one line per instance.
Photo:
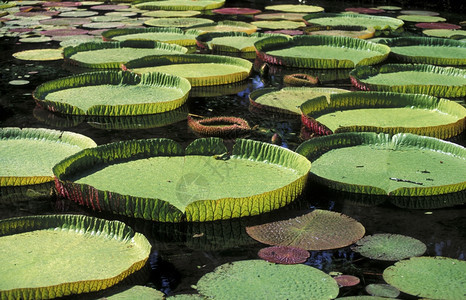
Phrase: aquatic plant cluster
(173, 135)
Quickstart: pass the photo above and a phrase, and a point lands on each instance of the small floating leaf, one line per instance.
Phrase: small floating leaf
(389, 247)
(284, 255)
(382, 290)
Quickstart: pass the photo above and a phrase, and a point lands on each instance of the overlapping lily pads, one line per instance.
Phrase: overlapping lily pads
(230, 41)
(384, 112)
(156, 179)
(334, 19)
(429, 277)
(227, 26)
(258, 279)
(320, 52)
(416, 79)
(166, 35)
(317, 230)
(99, 254)
(389, 247)
(287, 100)
(111, 93)
(110, 55)
(381, 164)
(199, 69)
(29, 154)
(425, 50)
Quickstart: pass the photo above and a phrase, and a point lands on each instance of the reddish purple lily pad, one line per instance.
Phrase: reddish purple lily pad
(109, 7)
(20, 29)
(64, 32)
(284, 255)
(37, 13)
(437, 26)
(236, 11)
(364, 10)
(61, 4)
(346, 280)
(65, 21)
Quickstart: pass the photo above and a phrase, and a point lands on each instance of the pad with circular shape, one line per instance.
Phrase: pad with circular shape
(390, 247)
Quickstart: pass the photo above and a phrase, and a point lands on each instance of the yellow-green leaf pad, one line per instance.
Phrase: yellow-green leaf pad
(152, 179)
(28, 155)
(52, 256)
(258, 279)
(429, 277)
(399, 165)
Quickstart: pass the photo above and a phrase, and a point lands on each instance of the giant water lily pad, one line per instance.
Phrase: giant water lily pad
(430, 277)
(166, 35)
(289, 99)
(434, 51)
(360, 32)
(445, 33)
(389, 247)
(158, 180)
(112, 54)
(416, 79)
(227, 26)
(379, 164)
(181, 5)
(29, 154)
(235, 41)
(320, 52)
(317, 230)
(258, 279)
(295, 8)
(421, 18)
(334, 19)
(384, 112)
(200, 70)
(177, 22)
(39, 55)
(111, 93)
(98, 254)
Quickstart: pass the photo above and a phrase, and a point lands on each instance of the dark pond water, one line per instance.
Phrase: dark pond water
(182, 253)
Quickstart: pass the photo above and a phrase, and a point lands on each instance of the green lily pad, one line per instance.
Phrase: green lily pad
(177, 22)
(258, 279)
(382, 290)
(280, 16)
(389, 247)
(198, 69)
(99, 254)
(166, 35)
(421, 18)
(39, 54)
(360, 32)
(111, 93)
(416, 79)
(171, 13)
(295, 8)
(281, 24)
(157, 180)
(230, 41)
(28, 154)
(384, 112)
(317, 230)
(425, 50)
(181, 5)
(445, 33)
(430, 277)
(81, 13)
(287, 100)
(112, 54)
(320, 52)
(379, 164)
(133, 292)
(226, 26)
(334, 19)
